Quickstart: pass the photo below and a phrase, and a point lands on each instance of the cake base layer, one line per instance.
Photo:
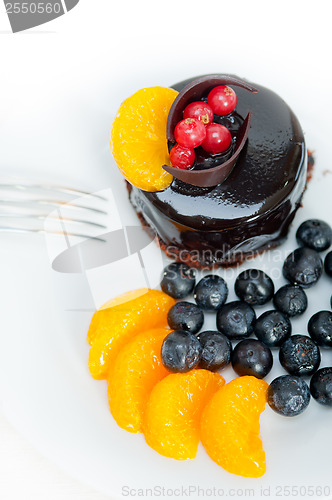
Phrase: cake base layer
(205, 257)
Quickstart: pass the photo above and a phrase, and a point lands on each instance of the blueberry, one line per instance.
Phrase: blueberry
(185, 316)
(273, 328)
(320, 328)
(299, 355)
(178, 280)
(321, 386)
(328, 264)
(181, 351)
(252, 357)
(315, 234)
(288, 395)
(236, 320)
(290, 300)
(216, 352)
(254, 287)
(211, 292)
(303, 267)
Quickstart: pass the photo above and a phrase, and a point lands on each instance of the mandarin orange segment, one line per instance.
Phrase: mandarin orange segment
(115, 311)
(135, 372)
(138, 138)
(230, 426)
(172, 416)
(113, 327)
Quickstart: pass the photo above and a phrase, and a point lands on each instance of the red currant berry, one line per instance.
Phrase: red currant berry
(218, 139)
(190, 133)
(222, 100)
(182, 157)
(199, 110)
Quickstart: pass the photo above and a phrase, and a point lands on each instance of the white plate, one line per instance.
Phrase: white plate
(46, 389)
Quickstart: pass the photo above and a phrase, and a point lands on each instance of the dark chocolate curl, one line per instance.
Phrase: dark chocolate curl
(216, 175)
(194, 92)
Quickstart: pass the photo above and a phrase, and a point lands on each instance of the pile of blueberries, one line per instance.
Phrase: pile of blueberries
(187, 347)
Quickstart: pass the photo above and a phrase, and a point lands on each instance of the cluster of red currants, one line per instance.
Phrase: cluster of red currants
(198, 129)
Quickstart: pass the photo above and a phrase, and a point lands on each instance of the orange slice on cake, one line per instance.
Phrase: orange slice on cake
(138, 138)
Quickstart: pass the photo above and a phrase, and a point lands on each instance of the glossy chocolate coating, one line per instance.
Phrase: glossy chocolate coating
(253, 208)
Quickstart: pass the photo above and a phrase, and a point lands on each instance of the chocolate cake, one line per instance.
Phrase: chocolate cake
(252, 209)
(222, 208)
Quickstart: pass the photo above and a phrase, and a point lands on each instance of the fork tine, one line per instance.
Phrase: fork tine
(18, 229)
(51, 203)
(48, 187)
(53, 217)
(24, 206)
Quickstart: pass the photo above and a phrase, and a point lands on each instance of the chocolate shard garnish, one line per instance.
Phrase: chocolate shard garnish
(216, 175)
(194, 92)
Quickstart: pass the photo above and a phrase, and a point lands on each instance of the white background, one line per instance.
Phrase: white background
(53, 123)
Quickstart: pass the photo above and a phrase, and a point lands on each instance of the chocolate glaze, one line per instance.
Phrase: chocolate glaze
(253, 208)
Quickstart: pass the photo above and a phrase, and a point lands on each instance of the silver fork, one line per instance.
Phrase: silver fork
(25, 206)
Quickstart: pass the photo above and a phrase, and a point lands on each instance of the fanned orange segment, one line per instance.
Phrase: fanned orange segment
(230, 426)
(113, 327)
(124, 298)
(138, 138)
(172, 416)
(136, 370)
(115, 311)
